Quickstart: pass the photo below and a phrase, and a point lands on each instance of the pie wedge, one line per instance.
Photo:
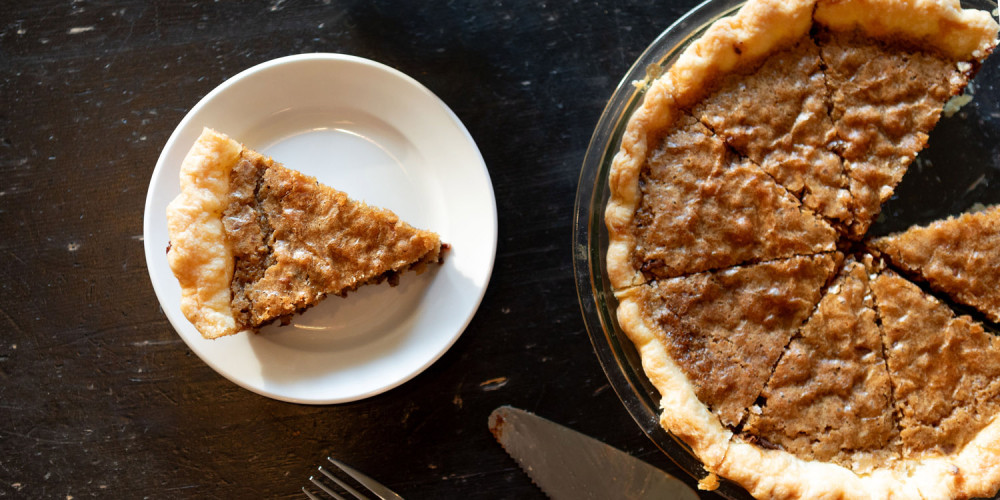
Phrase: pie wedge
(830, 100)
(959, 256)
(252, 241)
(726, 329)
(702, 208)
(945, 372)
(829, 397)
(945, 368)
(882, 123)
(714, 337)
(777, 116)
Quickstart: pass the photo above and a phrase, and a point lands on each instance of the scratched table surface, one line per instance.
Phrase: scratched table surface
(99, 397)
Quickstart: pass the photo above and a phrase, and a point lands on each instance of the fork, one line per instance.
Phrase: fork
(372, 485)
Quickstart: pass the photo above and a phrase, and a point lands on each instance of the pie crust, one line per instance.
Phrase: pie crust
(198, 254)
(761, 28)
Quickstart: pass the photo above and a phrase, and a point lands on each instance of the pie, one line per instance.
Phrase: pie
(792, 355)
(252, 241)
(959, 256)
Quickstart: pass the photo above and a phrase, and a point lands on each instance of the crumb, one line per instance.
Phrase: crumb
(955, 103)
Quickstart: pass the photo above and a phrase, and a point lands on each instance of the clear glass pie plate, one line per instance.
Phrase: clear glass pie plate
(959, 170)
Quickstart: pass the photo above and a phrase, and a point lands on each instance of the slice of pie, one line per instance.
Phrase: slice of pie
(777, 116)
(252, 242)
(945, 372)
(702, 208)
(959, 256)
(726, 329)
(945, 368)
(882, 123)
(829, 397)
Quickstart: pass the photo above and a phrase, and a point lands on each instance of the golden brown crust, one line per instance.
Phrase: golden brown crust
(684, 414)
(760, 28)
(779, 474)
(656, 113)
(962, 34)
(199, 256)
(979, 463)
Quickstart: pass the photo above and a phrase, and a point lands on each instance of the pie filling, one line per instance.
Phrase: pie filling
(778, 117)
(726, 329)
(294, 241)
(882, 123)
(704, 207)
(740, 200)
(945, 368)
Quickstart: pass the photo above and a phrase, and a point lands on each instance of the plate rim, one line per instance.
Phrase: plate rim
(176, 319)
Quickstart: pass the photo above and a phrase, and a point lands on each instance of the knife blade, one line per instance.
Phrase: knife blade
(566, 464)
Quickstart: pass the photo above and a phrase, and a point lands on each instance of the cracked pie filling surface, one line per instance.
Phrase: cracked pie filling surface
(794, 356)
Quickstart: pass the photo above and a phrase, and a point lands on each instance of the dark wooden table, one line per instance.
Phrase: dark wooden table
(99, 397)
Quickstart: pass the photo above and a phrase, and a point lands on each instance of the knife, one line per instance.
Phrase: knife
(568, 465)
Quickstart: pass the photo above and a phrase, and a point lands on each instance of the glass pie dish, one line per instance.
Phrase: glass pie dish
(959, 171)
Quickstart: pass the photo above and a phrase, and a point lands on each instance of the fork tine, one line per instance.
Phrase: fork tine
(309, 494)
(344, 485)
(325, 488)
(373, 485)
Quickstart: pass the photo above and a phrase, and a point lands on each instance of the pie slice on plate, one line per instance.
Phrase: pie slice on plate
(959, 256)
(252, 241)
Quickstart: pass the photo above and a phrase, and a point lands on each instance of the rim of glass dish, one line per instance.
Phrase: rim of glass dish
(618, 358)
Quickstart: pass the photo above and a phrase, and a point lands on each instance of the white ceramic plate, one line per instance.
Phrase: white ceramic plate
(380, 136)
